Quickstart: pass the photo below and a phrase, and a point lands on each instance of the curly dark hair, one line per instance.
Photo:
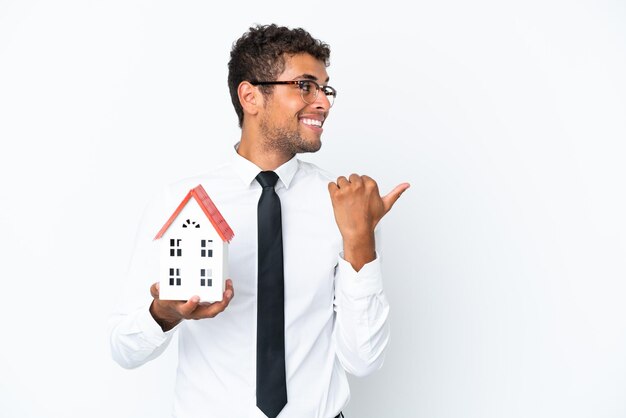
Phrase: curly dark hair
(260, 55)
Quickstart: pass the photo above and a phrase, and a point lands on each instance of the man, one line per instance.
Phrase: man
(331, 315)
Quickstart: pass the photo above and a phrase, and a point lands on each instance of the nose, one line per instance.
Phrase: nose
(322, 101)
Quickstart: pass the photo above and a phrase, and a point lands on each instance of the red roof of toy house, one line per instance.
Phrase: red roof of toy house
(209, 209)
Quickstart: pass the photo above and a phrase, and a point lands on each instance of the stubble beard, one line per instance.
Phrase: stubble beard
(286, 141)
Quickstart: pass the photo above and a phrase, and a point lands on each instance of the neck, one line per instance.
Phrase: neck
(265, 159)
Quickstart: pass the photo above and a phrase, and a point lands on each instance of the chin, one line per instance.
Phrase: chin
(310, 147)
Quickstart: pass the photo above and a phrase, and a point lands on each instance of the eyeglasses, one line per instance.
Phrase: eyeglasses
(308, 89)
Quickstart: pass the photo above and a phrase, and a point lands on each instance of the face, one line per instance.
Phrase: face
(288, 124)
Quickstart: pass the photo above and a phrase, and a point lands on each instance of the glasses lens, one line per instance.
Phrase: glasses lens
(330, 94)
(308, 90)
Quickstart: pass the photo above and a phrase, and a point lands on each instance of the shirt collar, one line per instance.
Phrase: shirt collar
(246, 170)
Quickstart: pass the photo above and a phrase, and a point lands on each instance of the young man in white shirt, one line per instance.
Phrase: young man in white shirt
(335, 316)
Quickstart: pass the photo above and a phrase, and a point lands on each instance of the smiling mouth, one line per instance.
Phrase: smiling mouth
(312, 122)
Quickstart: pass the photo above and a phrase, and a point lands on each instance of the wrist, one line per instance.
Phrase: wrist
(166, 322)
(359, 241)
(359, 250)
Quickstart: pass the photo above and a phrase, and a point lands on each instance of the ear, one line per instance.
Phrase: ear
(250, 98)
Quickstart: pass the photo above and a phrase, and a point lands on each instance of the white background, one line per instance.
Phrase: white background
(505, 263)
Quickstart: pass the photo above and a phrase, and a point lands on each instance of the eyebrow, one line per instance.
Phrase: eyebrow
(310, 77)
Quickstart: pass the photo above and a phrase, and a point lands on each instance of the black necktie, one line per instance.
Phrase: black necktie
(271, 386)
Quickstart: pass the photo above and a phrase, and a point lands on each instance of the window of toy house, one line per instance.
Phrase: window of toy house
(206, 277)
(174, 277)
(175, 250)
(206, 248)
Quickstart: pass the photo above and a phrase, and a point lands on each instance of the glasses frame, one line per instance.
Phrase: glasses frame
(299, 83)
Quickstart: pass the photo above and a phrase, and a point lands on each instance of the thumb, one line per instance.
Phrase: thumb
(394, 195)
(188, 307)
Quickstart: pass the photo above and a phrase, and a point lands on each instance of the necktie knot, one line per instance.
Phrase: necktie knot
(267, 179)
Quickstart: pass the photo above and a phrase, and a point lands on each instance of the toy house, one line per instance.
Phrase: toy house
(194, 250)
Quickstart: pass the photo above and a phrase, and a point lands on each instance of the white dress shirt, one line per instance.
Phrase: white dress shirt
(335, 318)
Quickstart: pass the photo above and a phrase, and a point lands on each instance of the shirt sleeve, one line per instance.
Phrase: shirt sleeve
(135, 337)
(361, 331)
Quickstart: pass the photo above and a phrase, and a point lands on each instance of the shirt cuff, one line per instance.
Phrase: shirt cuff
(366, 282)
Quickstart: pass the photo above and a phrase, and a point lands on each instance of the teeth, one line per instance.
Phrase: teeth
(312, 122)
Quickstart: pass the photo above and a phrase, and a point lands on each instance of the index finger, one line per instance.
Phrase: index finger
(154, 290)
